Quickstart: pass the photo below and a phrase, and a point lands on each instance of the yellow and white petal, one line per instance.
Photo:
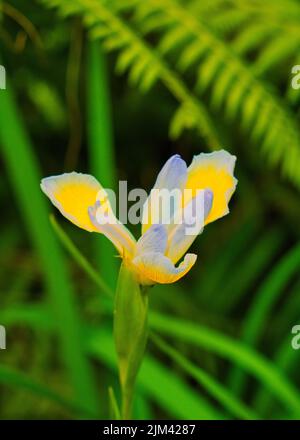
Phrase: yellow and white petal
(73, 193)
(189, 225)
(172, 177)
(154, 240)
(154, 267)
(213, 171)
(107, 224)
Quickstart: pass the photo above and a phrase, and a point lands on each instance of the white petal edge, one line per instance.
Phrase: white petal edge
(173, 175)
(182, 236)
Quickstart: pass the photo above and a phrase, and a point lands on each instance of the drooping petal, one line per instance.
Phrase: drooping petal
(172, 176)
(154, 267)
(72, 194)
(154, 240)
(190, 225)
(214, 171)
(107, 224)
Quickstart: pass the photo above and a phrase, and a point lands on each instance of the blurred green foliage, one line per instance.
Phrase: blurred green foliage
(114, 87)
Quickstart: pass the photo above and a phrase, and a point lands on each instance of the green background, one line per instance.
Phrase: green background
(114, 88)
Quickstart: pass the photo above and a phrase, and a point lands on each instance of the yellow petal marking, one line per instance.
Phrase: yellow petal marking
(157, 268)
(73, 194)
(215, 174)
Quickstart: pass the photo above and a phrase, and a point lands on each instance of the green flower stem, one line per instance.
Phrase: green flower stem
(130, 333)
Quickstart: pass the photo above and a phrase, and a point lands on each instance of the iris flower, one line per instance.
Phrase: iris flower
(154, 257)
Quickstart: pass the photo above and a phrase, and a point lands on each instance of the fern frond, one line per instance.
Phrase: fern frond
(233, 84)
(277, 51)
(252, 37)
(266, 27)
(245, 97)
(228, 20)
(145, 65)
